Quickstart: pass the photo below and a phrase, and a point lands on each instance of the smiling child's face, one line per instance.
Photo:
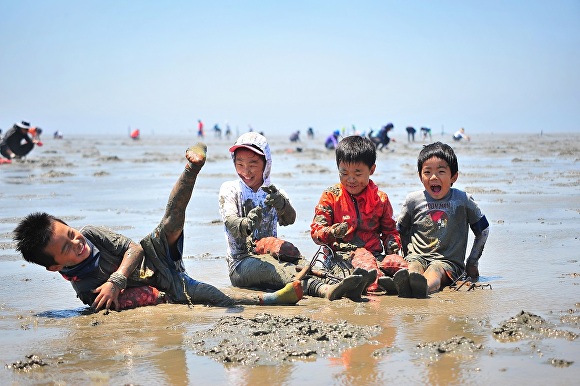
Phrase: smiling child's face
(355, 177)
(436, 177)
(67, 246)
(250, 168)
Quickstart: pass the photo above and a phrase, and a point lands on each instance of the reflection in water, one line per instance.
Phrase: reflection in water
(60, 314)
(259, 375)
(132, 346)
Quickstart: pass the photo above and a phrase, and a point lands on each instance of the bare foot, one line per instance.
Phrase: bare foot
(196, 156)
(401, 279)
(418, 284)
(369, 278)
(347, 285)
(388, 284)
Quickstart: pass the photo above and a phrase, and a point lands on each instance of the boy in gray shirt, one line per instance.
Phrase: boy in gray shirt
(434, 227)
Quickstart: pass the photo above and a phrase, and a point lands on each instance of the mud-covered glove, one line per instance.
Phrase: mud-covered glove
(339, 230)
(252, 221)
(274, 198)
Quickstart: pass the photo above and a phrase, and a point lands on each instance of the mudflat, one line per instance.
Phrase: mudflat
(520, 326)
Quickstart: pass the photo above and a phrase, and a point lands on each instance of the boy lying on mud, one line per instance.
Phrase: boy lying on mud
(108, 270)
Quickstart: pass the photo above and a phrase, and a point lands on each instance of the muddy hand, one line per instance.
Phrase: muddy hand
(108, 295)
(392, 247)
(472, 271)
(269, 189)
(196, 156)
(252, 221)
(274, 198)
(339, 230)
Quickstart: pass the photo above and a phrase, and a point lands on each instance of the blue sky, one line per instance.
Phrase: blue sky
(280, 66)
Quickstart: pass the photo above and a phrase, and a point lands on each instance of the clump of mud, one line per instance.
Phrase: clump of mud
(32, 362)
(457, 345)
(272, 339)
(526, 325)
(560, 362)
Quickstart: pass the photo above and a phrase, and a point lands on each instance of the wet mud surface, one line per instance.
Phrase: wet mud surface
(528, 187)
(271, 339)
(526, 325)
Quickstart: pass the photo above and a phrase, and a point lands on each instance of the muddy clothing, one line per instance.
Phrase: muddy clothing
(369, 216)
(13, 141)
(236, 200)
(158, 269)
(262, 272)
(437, 230)
(245, 268)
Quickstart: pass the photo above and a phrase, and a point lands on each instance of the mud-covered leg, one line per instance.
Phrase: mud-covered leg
(204, 293)
(174, 217)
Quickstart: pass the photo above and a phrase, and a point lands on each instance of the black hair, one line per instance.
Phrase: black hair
(441, 151)
(32, 236)
(355, 149)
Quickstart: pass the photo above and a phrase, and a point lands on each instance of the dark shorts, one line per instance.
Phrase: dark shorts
(452, 270)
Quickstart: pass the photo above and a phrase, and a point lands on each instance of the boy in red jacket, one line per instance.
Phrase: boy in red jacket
(355, 219)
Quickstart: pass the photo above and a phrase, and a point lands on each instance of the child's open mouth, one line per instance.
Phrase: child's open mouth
(83, 246)
(435, 188)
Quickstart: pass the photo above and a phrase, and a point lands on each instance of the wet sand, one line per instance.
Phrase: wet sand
(527, 185)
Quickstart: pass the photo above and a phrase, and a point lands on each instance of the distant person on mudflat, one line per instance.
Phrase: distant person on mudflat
(20, 140)
(332, 140)
(381, 139)
(434, 226)
(460, 134)
(295, 137)
(200, 133)
(251, 208)
(426, 131)
(108, 270)
(411, 133)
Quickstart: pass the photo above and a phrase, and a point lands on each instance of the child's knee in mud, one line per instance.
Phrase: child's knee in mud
(415, 266)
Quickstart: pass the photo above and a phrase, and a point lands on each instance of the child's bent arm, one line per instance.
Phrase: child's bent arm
(279, 201)
(131, 259)
(481, 231)
(234, 225)
(286, 215)
(108, 292)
